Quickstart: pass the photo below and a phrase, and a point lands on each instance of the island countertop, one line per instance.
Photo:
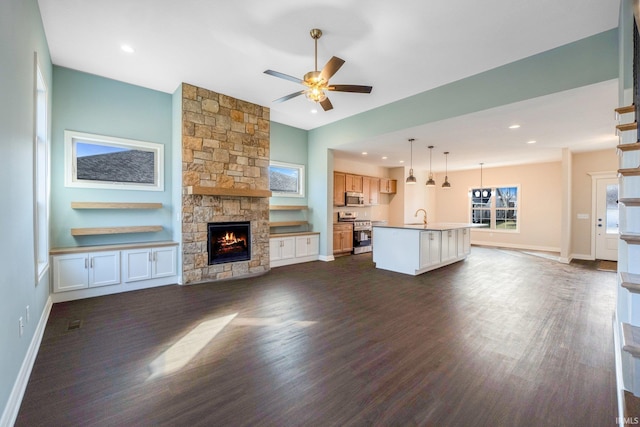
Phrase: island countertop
(432, 226)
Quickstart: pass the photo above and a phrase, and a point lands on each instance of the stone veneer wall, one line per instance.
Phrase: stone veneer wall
(225, 144)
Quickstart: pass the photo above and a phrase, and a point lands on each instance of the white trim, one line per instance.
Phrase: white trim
(586, 257)
(10, 413)
(595, 176)
(326, 258)
(301, 179)
(618, 367)
(516, 246)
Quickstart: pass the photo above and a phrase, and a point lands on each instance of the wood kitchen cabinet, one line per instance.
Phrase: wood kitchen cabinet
(371, 190)
(342, 238)
(388, 186)
(353, 183)
(339, 188)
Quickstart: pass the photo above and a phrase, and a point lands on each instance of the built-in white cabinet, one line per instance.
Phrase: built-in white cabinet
(85, 270)
(464, 242)
(293, 249)
(307, 245)
(282, 248)
(148, 263)
(430, 248)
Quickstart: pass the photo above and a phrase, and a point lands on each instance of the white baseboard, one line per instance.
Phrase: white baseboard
(19, 387)
(618, 366)
(326, 258)
(585, 257)
(516, 246)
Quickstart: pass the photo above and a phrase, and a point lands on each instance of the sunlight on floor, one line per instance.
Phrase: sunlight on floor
(185, 349)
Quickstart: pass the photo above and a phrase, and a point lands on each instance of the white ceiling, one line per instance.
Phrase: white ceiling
(400, 48)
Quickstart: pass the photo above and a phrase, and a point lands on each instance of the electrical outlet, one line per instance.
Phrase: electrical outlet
(28, 315)
(20, 326)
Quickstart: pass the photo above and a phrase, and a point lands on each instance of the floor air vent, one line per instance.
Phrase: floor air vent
(74, 324)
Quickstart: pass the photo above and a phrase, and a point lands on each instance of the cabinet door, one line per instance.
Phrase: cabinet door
(392, 186)
(164, 262)
(384, 185)
(275, 253)
(307, 245)
(136, 264)
(288, 247)
(429, 248)
(366, 190)
(282, 248)
(337, 241)
(347, 240)
(374, 191)
(104, 268)
(449, 245)
(339, 188)
(70, 272)
(354, 183)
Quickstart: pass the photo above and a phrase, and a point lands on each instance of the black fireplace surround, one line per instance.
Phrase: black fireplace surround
(228, 241)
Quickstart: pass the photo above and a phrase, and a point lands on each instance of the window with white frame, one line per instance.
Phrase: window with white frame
(496, 207)
(41, 175)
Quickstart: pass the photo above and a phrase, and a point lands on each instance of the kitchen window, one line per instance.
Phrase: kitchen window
(496, 207)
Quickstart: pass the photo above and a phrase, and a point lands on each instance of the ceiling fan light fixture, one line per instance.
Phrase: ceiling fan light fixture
(315, 94)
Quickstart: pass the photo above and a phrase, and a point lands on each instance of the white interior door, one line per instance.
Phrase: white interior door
(607, 219)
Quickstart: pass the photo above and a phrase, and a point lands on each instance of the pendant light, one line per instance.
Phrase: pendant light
(411, 179)
(446, 183)
(430, 181)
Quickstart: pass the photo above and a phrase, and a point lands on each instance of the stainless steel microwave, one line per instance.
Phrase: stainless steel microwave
(353, 199)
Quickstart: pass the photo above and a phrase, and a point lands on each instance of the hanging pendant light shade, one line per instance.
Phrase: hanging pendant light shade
(430, 181)
(446, 183)
(411, 179)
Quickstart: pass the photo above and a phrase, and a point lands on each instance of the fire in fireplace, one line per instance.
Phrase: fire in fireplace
(229, 241)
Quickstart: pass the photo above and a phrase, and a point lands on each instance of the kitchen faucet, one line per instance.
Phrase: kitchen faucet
(424, 220)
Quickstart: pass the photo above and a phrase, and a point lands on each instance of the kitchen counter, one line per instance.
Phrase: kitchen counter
(417, 248)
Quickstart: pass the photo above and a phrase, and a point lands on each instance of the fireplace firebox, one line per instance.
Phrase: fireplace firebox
(229, 241)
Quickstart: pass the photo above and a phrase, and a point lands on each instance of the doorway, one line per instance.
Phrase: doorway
(606, 219)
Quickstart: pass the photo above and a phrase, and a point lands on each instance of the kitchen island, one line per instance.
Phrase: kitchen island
(416, 248)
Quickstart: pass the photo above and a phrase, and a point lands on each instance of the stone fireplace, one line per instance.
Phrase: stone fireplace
(225, 164)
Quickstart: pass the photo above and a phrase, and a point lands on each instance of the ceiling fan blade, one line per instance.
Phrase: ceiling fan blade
(283, 76)
(288, 97)
(331, 68)
(350, 88)
(326, 104)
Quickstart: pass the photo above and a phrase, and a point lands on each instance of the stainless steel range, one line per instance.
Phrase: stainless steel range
(361, 231)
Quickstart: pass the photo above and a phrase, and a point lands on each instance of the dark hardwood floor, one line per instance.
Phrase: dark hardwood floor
(502, 339)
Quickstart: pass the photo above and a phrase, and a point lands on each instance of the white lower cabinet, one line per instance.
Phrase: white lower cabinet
(85, 270)
(282, 248)
(307, 245)
(464, 242)
(285, 250)
(449, 245)
(148, 263)
(429, 248)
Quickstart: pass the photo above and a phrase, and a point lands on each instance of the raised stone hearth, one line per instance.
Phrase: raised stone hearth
(225, 145)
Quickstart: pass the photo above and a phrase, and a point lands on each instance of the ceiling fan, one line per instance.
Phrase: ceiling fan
(317, 82)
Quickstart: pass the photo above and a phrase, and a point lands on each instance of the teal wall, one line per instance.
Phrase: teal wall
(88, 103)
(289, 145)
(584, 62)
(21, 34)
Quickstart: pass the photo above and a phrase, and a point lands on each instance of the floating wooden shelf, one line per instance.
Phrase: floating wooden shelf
(287, 223)
(629, 147)
(630, 281)
(626, 109)
(287, 208)
(114, 205)
(215, 191)
(630, 201)
(627, 126)
(115, 230)
(629, 172)
(631, 339)
(631, 238)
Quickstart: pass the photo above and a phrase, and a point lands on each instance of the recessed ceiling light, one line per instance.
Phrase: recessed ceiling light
(531, 142)
(314, 111)
(401, 161)
(514, 126)
(384, 157)
(364, 153)
(127, 48)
